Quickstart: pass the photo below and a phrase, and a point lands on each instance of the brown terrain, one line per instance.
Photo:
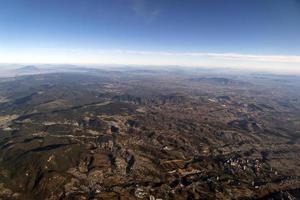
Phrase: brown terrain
(146, 134)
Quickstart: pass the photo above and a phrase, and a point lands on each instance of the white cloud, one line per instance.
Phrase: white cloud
(227, 56)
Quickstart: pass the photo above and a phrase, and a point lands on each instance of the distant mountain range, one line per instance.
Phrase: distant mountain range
(29, 68)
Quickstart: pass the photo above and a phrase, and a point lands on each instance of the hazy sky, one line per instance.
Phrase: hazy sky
(230, 33)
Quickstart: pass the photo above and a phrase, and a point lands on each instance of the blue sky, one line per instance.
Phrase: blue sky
(243, 33)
